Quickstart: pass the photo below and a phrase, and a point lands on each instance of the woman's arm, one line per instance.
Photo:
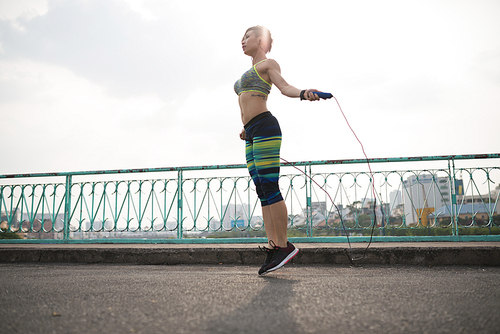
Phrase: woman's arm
(274, 72)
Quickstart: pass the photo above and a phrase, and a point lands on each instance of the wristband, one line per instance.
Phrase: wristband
(302, 95)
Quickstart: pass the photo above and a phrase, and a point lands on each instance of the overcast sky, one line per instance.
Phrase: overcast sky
(90, 85)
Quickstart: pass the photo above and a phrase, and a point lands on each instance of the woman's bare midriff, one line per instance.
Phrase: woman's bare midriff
(251, 104)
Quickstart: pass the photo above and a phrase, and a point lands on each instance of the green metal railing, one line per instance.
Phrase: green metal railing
(218, 203)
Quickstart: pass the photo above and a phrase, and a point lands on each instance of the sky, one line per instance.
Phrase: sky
(109, 84)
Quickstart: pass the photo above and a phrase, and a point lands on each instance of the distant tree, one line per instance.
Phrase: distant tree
(365, 220)
(8, 235)
(354, 207)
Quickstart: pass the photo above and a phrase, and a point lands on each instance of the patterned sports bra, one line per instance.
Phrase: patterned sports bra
(251, 81)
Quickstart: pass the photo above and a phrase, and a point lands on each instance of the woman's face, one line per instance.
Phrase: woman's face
(250, 43)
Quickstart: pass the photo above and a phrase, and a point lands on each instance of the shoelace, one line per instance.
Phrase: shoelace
(271, 252)
(265, 249)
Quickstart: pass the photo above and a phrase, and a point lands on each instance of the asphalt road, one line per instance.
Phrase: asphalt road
(104, 298)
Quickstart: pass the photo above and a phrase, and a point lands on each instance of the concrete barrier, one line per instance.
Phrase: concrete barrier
(419, 253)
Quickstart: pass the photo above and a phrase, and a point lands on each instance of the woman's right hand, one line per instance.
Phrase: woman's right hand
(309, 95)
(243, 135)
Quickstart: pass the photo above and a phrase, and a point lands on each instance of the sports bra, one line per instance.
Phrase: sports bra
(251, 81)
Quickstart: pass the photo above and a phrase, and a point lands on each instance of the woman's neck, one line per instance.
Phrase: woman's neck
(258, 57)
(256, 61)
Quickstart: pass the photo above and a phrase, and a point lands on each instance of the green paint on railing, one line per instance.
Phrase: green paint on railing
(126, 211)
(375, 239)
(240, 166)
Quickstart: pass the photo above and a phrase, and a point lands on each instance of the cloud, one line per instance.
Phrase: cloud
(24, 10)
(123, 84)
(114, 46)
(63, 120)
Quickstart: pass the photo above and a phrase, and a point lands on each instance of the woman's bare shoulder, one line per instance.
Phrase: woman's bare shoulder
(272, 64)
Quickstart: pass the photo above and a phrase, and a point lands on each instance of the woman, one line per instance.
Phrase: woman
(263, 141)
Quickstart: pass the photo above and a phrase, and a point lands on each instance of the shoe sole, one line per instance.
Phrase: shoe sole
(282, 263)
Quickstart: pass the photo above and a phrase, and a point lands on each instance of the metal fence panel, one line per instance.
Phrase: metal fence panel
(326, 200)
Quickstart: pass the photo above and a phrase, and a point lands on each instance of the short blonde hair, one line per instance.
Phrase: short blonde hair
(263, 32)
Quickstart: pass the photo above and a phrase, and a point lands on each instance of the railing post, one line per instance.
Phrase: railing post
(309, 218)
(67, 207)
(180, 210)
(454, 214)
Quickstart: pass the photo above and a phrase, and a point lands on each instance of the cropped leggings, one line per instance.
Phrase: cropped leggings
(263, 143)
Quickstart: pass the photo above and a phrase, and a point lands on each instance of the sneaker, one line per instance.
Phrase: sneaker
(269, 256)
(281, 257)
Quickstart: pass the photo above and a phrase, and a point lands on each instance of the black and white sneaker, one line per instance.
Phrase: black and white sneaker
(280, 257)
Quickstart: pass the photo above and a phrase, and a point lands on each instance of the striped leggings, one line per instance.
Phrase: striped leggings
(262, 149)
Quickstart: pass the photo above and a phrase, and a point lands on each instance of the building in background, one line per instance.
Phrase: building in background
(422, 194)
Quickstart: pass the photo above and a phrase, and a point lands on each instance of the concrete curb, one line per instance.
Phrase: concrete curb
(422, 254)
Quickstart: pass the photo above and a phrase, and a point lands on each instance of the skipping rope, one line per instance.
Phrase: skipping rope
(351, 257)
